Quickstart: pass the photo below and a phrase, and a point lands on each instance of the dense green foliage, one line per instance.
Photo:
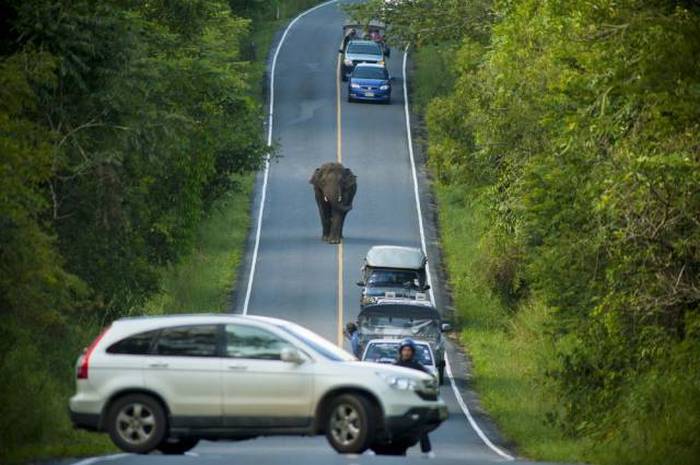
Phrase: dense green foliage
(123, 126)
(571, 136)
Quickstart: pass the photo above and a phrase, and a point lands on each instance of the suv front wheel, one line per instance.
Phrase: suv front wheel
(136, 423)
(350, 424)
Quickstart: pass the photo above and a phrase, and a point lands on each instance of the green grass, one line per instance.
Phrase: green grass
(509, 351)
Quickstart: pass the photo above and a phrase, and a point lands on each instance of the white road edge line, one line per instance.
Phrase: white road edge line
(419, 210)
(256, 247)
(106, 458)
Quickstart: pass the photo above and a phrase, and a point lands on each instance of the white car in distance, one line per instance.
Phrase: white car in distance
(166, 382)
(387, 351)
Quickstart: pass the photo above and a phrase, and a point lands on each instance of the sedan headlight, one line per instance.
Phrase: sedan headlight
(347, 62)
(384, 87)
(399, 382)
(354, 85)
(380, 62)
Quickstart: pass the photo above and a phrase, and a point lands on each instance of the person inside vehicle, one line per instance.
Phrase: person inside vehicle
(407, 359)
(354, 335)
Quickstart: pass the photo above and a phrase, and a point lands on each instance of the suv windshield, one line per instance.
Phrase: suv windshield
(388, 351)
(370, 72)
(364, 49)
(320, 345)
(393, 278)
(380, 323)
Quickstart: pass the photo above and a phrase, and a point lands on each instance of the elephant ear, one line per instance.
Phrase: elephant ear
(349, 177)
(314, 177)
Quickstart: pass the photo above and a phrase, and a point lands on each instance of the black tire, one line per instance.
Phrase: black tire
(387, 101)
(177, 446)
(398, 448)
(350, 410)
(350, 99)
(344, 77)
(133, 416)
(441, 374)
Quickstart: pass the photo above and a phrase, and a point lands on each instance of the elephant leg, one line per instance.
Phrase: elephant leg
(326, 222)
(336, 225)
(324, 212)
(342, 223)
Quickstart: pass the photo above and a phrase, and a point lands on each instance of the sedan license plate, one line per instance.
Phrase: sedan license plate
(369, 94)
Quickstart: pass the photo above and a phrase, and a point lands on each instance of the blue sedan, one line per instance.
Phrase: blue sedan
(369, 81)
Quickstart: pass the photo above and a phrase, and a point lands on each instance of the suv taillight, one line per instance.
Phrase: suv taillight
(82, 371)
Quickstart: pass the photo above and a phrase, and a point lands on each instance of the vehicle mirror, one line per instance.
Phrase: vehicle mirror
(291, 355)
(446, 327)
(360, 283)
(340, 50)
(426, 287)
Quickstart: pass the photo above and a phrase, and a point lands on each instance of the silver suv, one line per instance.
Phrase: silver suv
(166, 382)
(360, 51)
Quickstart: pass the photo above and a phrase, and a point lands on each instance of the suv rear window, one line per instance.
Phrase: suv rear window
(188, 341)
(138, 344)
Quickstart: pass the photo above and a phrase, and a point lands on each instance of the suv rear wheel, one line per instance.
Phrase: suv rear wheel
(136, 423)
(350, 424)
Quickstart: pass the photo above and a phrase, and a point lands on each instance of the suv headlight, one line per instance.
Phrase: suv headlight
(384, 87)
(354, 85)
(399, 382)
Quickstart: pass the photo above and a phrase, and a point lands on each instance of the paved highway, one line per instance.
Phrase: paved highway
(299, 277)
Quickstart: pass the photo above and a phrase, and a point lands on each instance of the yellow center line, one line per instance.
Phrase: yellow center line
(339, 156)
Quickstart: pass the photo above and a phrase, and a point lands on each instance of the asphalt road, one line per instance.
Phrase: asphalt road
(297, 276)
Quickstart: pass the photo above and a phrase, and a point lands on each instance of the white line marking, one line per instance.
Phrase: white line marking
(256, 247)
(106, 458)
(458, 395)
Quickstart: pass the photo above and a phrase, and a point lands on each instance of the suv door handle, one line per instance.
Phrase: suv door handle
(238, 367)
(158, 365)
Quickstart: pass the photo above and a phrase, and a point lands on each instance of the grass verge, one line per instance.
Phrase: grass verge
(509, 351)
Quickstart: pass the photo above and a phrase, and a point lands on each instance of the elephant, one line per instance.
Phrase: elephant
(334, 188)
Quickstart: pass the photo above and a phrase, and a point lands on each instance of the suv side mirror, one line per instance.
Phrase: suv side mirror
(426, 287)
(340, 50)
(360, 283)
(446, 327)
(291, 355)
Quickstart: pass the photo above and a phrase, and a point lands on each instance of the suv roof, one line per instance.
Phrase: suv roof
(392, 256)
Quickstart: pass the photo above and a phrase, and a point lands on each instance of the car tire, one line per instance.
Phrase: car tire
(441, 374)
(136, 423)
(350, 424)
(177, 446)
(387, 101)
(350, 99)
(394, 448)
(344, 77)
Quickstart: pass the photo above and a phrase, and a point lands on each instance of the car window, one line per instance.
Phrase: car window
(253, 343)
(364, 49)
(321, 346)
(188, 341)
(397, 278)
(138, 344)
(387, 352)
(370, 72)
